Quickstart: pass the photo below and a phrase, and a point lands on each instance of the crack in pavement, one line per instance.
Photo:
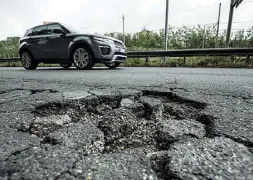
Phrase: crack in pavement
(16, 153)
(227, 95)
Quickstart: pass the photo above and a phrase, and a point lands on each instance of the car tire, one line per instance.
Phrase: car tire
(27, 61)
(66, 66)
(112, 65)
(82, 58)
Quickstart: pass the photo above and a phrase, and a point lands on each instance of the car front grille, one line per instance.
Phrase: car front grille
(120, 53)
(121, 58)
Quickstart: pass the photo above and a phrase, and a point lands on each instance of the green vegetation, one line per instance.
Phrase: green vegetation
(212, 62)
(221, 62)
(179, 38)
(185, 38)
(9, 47)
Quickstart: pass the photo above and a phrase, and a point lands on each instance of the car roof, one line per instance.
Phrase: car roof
(45, 24)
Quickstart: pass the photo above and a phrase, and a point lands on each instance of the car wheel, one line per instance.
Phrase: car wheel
(112, 65)
(28, 62)
(67, 65)
(82, 58)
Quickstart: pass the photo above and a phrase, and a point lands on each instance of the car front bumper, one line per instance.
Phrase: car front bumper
(111, 52)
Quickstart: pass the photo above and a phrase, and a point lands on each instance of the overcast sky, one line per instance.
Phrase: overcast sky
(101, 16)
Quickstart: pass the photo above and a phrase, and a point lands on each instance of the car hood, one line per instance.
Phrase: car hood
(97, 35)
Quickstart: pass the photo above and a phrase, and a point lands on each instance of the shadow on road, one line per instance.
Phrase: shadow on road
(74, 69)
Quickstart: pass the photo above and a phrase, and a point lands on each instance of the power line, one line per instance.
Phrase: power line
(183, 10)
(201, 7)
(190, 9)
(238, 22)
(247, 1)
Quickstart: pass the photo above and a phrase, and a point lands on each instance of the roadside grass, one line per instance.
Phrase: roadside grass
(214, 62)
(211, 62)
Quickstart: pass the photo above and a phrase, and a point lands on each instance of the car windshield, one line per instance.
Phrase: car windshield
(71, 28)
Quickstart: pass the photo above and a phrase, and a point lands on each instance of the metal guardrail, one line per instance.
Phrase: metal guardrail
(179, 53)
(193, 52)
(9, 59)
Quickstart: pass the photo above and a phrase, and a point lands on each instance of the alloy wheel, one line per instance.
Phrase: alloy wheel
(26, 60)
(81, 58)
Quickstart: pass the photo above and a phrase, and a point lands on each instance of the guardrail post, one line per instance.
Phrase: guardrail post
(164, 59)
(232, 58)
(184, 60)
(247, 60)
(147, 59)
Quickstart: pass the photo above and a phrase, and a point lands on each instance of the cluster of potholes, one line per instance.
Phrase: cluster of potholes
(115, 137)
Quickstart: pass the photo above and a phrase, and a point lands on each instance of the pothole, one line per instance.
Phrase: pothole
(149, 124)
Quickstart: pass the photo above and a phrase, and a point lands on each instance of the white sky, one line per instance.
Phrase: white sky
(100, 16)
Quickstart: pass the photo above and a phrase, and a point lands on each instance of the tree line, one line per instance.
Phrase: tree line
(178, 38)
(9, 47)
(185, 38)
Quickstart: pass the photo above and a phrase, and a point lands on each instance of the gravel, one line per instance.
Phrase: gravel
(153, 106)
(84, 138)
(44, 125)
(117, 124)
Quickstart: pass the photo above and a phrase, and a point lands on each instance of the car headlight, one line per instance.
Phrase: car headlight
(111, 41)
(100, 39)
(103, 40)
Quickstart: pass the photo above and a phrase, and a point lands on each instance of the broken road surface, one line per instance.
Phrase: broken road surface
(168, 131)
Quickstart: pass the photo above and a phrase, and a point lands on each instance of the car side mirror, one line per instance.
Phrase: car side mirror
(58, 31)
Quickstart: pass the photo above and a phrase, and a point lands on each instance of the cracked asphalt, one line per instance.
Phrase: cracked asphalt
(127, 123)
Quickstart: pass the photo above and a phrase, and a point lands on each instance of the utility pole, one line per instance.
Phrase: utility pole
(166, 28)
(124, 38)
(230, 19)
(204, 38)
(218, 27)
(166, 25)
(233, 4)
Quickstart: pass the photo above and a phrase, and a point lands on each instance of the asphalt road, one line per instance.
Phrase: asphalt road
(189, 123)
(231, 81)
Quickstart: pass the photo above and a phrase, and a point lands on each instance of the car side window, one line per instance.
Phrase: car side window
(42, 30)
(29, 32)
(54, 26)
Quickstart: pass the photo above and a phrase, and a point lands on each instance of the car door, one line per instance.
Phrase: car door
(57, 44)
(38, 42)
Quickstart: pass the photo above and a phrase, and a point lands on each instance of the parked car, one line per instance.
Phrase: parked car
(57, 43)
